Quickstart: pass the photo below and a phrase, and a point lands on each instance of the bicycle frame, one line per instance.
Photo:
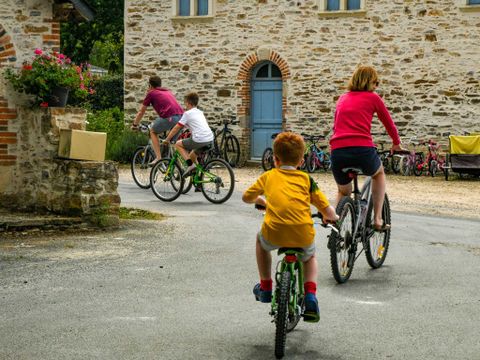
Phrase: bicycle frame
(199, 170)
(364, 194)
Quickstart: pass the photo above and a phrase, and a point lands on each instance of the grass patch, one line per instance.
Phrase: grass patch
(139, 214)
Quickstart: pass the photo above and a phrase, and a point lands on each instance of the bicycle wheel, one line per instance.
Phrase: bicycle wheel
(396, 163)
(303, 166)
(188, 181)
(433, 167)
(281, 319)
(217, 181)
(166, 180)
(311, 162)
(326, 164)
(267, 159)
(294, 315)
(139, 166)
(342, 254)
(418, 167)
(231, 151)
(376, 243)
(405, 165)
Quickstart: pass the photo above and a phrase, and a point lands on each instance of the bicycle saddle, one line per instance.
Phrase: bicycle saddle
(352, 170)
(205, 148)
(296, 250)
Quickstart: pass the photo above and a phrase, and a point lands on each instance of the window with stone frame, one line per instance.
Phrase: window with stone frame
(470, 6)
(190, 8)
(341, 5)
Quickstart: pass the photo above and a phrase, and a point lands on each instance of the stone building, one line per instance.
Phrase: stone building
(31, 175)
(281, 64)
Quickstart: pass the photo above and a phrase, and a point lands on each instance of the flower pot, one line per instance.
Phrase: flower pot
(58, 97)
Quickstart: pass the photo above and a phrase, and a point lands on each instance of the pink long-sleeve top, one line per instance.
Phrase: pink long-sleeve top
(353, 120)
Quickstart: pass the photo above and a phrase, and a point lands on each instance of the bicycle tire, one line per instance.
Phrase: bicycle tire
(326, 164)
(375, 243)
(281, 319)
(396, 163)
(342, 255)
(294, 316)
(303, 166)
(139, 167)
(418, 167)
(221, 176)
(188, 181)
(267, 159)
(311, 162)
(231, 150)
(166, 187)
(433, 167)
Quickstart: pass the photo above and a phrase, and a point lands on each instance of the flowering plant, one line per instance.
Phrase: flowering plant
(49, 71)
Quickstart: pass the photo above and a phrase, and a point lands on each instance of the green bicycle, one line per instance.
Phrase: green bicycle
(288, 298)
(215, 179)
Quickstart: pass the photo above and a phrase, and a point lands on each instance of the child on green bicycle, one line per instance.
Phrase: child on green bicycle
(288, 223)
(202, 135)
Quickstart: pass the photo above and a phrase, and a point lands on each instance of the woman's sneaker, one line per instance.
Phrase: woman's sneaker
(312, 312)
(262, 295)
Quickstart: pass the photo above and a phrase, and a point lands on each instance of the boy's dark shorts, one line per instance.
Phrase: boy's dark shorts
(362, 157)
(190, 145)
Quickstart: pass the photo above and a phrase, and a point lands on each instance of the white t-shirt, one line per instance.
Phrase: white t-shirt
(195, 121)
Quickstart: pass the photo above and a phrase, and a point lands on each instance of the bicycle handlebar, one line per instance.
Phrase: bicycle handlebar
(331, 225)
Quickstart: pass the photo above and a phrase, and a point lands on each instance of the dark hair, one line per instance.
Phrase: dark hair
(155, 81)
(289, 147)
(192, 98)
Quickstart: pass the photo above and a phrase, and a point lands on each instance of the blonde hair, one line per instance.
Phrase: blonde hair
(365, 78)
(289, 147)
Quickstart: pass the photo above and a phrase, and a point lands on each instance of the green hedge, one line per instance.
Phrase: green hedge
(121, 141)
(108, 92)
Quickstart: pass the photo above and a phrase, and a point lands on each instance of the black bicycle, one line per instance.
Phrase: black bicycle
(356, 226)
(225, 146)
(267, 156)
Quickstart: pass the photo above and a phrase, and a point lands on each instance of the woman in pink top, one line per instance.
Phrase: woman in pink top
(351, 144)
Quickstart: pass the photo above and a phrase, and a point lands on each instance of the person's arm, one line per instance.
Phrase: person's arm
(254, 193)
(386, 120)
(139, 116)
(173, 132)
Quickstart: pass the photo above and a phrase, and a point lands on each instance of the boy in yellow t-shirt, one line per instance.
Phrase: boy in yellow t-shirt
(287, 194)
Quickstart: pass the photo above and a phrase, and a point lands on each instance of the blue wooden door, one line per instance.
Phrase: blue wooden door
(266, 109)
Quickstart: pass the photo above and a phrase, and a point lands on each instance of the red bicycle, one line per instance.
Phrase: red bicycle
(433, 163)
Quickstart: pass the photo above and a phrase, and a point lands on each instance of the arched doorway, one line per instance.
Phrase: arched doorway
(266, 106)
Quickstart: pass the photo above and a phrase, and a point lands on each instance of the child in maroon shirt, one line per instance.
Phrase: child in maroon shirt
(351, 144)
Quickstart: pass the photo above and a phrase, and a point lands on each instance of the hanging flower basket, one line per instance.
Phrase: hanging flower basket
(50, 78)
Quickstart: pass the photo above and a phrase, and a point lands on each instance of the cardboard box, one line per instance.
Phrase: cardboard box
(82, 145)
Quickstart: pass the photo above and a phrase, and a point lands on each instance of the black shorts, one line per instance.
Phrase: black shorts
(364, 158)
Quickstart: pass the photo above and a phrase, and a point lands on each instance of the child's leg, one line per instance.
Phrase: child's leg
(311, 272)
(264, 263)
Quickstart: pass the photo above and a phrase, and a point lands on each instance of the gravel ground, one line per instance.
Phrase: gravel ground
(422, 195)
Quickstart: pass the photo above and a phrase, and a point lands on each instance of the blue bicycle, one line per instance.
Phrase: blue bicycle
(317, 157)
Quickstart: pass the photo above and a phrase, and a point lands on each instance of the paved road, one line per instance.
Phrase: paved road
(181, 289)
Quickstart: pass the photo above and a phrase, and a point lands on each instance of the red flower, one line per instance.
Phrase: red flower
(38, 51)
(44, 104)
(27, 67)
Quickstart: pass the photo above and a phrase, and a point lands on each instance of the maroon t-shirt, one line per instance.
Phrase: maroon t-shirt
(164, 102)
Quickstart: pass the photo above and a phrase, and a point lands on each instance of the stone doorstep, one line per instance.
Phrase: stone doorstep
(22, 222)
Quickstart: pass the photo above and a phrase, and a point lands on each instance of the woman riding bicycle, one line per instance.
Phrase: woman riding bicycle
(351, 144)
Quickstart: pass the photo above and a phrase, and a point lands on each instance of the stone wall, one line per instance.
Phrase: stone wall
(40, 181)
(24, 26)
(427, 54)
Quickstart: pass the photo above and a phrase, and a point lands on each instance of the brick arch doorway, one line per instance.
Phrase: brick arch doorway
(244, 109)
(266, 106)
(7, 50)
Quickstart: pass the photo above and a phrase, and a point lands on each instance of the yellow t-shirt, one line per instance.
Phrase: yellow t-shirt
(289, 193)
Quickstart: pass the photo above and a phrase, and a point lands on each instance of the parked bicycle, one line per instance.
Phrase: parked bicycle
(215, 179)
(408, 161)
(433, 163)
(287, 305)
(392, 162)
(356, 226)
(267, 156)
(317, 157)
(225, 146)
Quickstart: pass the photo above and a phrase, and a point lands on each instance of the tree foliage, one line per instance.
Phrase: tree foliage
(105, 32)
